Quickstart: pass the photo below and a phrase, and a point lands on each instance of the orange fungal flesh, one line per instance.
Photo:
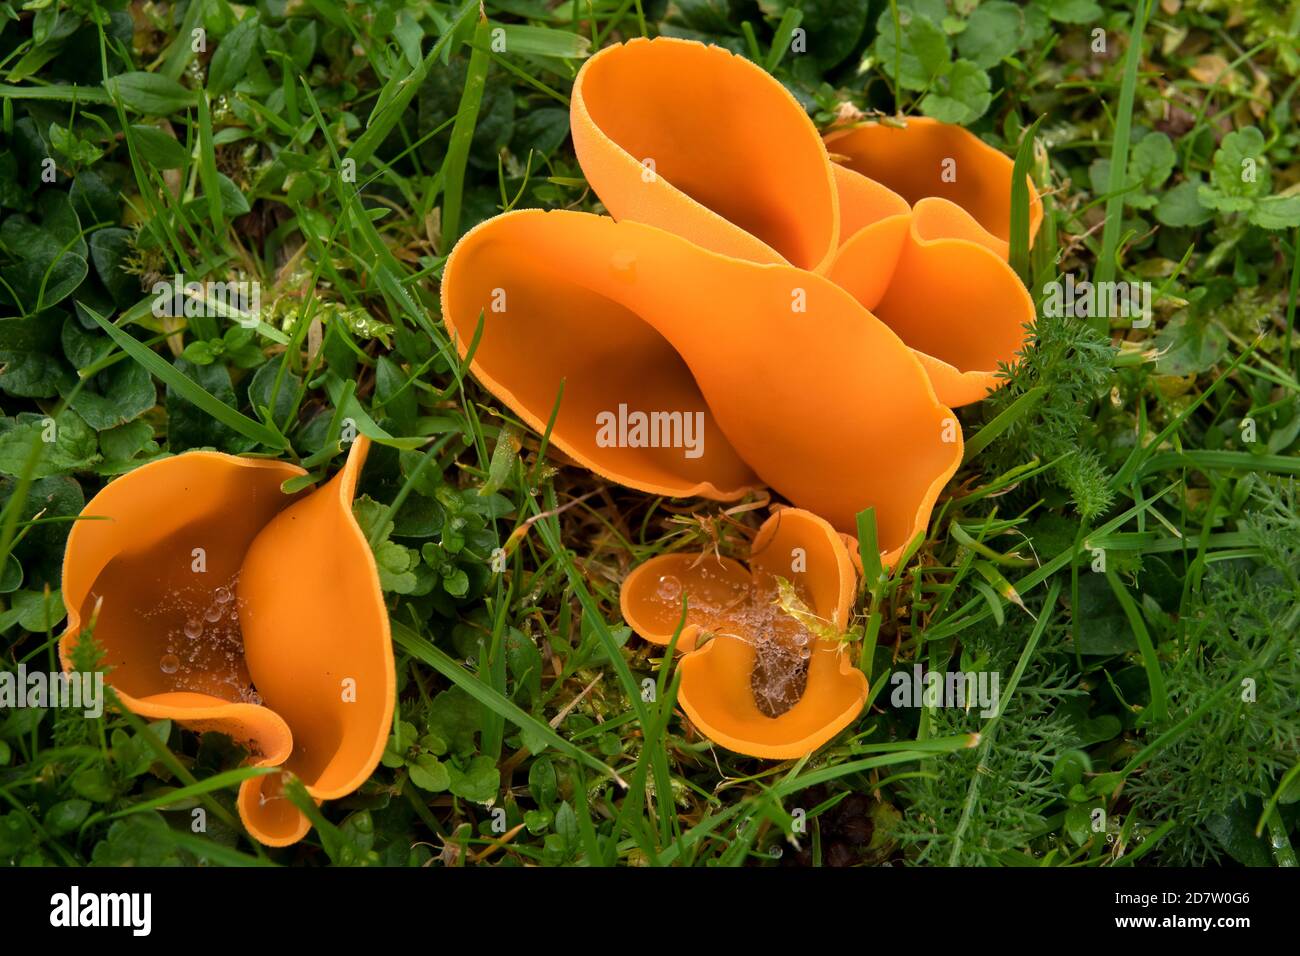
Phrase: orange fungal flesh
(318, 645)
(545, 323)
(805, 550)
(169, 564)
(865, 264)
(794, 378)
(704, 143)
(747, 178)
(764, 684)
(135, 549)
(722, 704)
(864, 202)
(957, 304)
(928, 158)
(652, 596)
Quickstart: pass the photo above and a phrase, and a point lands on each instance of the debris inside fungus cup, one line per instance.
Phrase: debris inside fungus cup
(751, 611)
(191, 626)
(782, 649)
(779, 678)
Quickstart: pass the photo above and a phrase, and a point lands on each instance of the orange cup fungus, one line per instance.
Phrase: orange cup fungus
(224, 604)
(764, 672)
(705, 349)
(750, 313)
(914, 224)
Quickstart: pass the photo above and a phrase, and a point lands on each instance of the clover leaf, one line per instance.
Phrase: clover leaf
(1150, 163)
(915, 53)
(1240, 182)
(992, 33)
(960, 96)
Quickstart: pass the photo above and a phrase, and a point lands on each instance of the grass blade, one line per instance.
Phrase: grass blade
(423, 650)
(462, 134)
(188, 389)
(66, 92)
(1150, 660)
(1020, 202)
(216, 782)
(781, 38)
(398, 93)
(1017, 410)
(1119, 149)
(208, 165)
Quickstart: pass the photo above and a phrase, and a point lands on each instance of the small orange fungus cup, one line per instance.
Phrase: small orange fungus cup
(935, 201)
(764, 673)
(224, 604)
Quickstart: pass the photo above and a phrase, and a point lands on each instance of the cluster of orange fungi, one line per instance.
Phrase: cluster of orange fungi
(820, 304)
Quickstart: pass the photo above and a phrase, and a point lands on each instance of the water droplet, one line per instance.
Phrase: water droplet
(670, 589)
(193, 628)
(212, 614)
(624, 264)
(169, 664)
(223, 595)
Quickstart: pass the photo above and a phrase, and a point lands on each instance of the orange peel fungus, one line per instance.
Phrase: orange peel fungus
(224, 604)
(762, 307)
(913, 221)
(636, 320)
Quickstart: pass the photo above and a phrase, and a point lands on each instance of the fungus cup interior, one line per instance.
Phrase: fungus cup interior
(547, 324)
(926, 158)
(726, 602)
(764, 672)
(720, 133)
(225, 604)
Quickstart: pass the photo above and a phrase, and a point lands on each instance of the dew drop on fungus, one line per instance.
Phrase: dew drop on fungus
(169, 664)
(670, 589)
(193, 628)
(623, 263)
(223, 595)
(212, 614)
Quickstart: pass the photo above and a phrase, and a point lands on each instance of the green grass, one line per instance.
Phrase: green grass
(1121, 544)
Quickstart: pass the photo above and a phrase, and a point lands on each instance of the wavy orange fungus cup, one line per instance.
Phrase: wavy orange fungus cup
(825, 405)
(224, 604)
(764, 672)
(914, 223)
